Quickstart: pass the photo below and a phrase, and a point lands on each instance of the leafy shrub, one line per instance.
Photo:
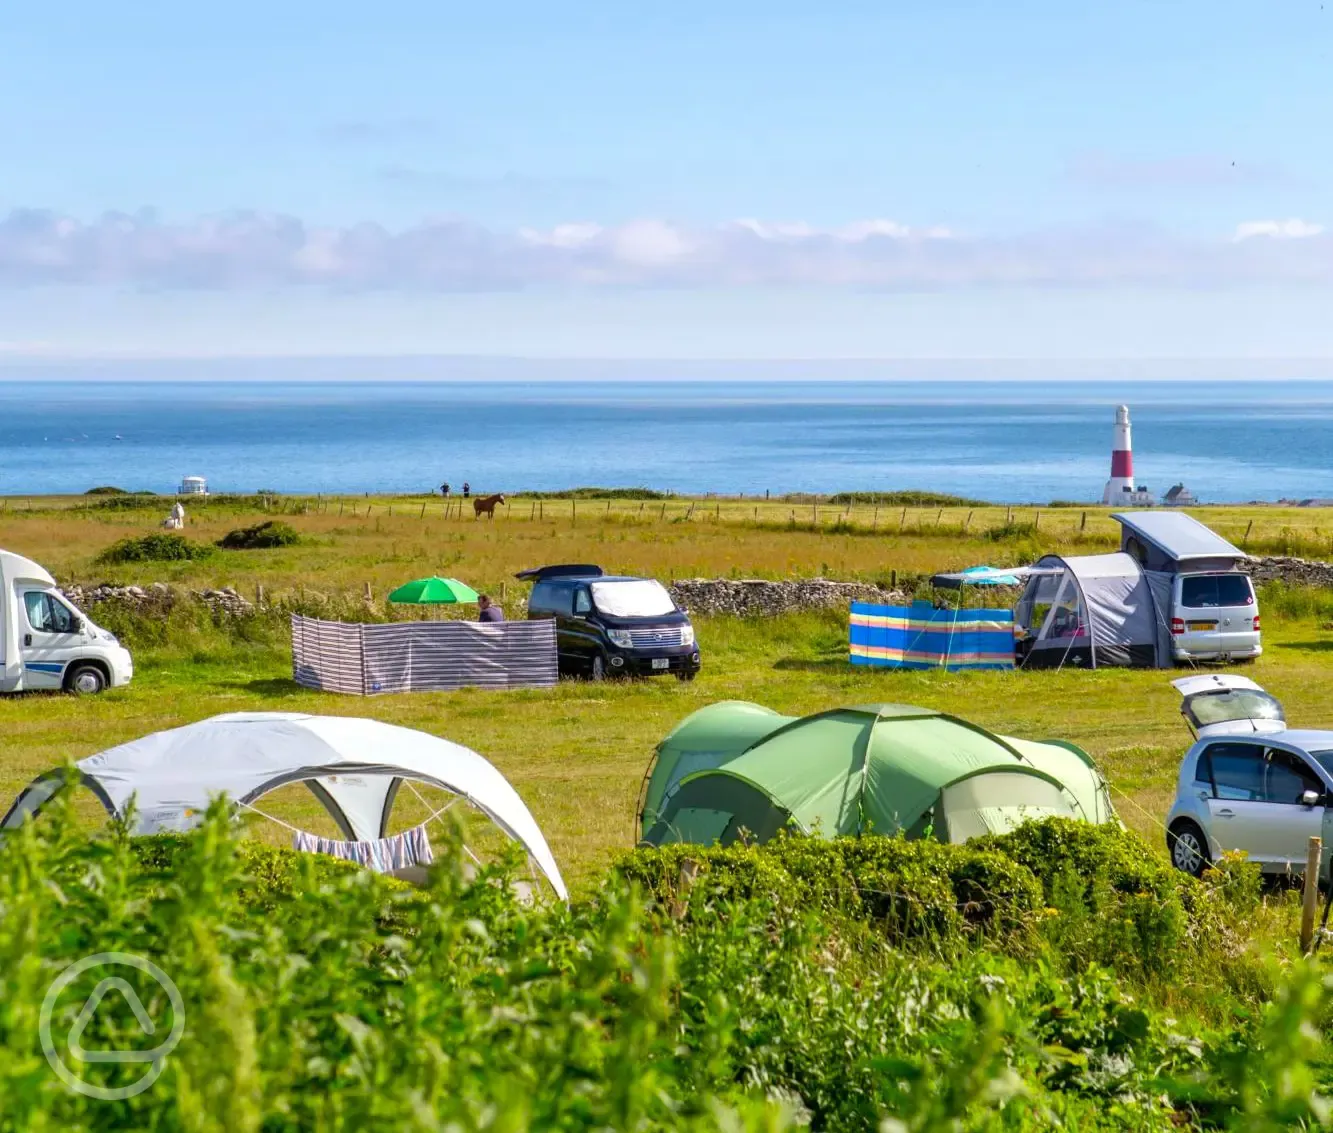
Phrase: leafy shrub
(129, 501)
(924, 891)
(106, 490)
(596, 494)
(319, 996)
(897, 499)
(161, 547)
(273, 533)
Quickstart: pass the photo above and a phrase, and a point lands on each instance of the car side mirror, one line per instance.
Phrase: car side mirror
(79, 625)
(1311, 798)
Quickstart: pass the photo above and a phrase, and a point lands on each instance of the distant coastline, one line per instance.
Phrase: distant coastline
(986, 441)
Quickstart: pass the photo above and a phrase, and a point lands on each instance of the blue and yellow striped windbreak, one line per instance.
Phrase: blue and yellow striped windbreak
(919, 637)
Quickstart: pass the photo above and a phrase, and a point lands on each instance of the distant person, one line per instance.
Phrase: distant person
(444, 490)
(467, 489)
(489, 611)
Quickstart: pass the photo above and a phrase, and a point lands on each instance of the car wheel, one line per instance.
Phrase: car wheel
(1189, 848)
(598, 672)
(85, 680)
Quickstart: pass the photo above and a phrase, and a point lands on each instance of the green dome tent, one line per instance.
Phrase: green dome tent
(886, 768)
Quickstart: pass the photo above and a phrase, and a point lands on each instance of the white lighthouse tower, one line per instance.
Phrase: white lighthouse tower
(1120, 488)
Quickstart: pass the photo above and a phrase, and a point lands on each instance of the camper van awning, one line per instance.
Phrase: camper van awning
(1177, 535)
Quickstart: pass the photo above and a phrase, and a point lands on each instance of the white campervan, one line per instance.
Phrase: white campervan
(45, 643)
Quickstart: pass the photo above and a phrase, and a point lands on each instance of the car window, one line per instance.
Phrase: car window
(582, 603)
(1238, 771)
(1203, 771)
(47, 614)
(633, 598)
(1214, 591)
(1288, 778)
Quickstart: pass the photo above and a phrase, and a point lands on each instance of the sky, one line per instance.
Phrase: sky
(776, 180)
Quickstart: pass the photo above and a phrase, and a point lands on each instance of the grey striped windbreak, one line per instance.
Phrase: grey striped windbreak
(422, 656)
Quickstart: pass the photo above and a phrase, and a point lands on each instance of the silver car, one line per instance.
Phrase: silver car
(1249, 783)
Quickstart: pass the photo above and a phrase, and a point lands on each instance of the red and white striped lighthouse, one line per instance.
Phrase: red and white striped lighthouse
(1120, 487)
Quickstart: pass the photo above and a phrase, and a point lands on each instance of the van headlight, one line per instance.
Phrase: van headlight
(687, 635)
(620, 637)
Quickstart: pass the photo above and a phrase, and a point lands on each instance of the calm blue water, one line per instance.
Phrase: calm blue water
(1006, 442)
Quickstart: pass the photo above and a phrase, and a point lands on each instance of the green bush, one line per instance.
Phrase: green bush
(106, 490)
(896, 499)
(129, 501)
(595, 494)
(157, 548)
(273, 533)
(319, 996)
(924, 891)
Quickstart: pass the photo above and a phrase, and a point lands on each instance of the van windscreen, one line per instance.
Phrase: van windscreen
(632, 598)
(1215, 591)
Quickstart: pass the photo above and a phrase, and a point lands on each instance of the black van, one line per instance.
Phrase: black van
(612, 624)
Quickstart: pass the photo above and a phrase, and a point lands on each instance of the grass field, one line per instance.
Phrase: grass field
(577, 754)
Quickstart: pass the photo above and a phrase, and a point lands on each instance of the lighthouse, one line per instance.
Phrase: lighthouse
(1120, 488)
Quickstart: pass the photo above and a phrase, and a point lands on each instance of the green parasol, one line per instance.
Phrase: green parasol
(433, 592)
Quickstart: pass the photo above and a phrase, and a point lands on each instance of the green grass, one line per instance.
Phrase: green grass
(326, 998)
(577, 754)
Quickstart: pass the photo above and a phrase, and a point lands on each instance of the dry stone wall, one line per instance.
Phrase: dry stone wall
(752, 596)
(1292, 571)
(159, 597)
(748, 597)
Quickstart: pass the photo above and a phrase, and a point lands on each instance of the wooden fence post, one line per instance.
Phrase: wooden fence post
(1245, 543)
(968, 521)
(874, 523)
(1310, 892)
(1008, 516)
(1036, 522)
(423, 511)
(573, 512)
(902, 520)
(1082, 523)
(663, 511)
(369, 595)
(939, 515)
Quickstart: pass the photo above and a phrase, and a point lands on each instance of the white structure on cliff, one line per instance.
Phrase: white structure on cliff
(1120, 489)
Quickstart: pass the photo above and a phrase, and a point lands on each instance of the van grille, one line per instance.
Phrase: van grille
(663, 638)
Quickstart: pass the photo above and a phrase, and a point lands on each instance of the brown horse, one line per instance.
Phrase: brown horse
(485, 505)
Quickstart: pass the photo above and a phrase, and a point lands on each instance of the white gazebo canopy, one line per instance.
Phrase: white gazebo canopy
(353, 766)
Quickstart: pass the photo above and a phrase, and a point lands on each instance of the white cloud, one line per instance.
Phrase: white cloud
(1278, 229)
(257, 250)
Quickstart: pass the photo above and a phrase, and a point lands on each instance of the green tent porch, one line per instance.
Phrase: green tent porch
(736, 767)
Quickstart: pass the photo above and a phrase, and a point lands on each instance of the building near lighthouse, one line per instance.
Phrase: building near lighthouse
(1121, 491)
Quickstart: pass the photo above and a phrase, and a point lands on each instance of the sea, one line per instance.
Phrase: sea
(1007, 442)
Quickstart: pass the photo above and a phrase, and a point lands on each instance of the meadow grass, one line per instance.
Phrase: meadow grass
(577, 754)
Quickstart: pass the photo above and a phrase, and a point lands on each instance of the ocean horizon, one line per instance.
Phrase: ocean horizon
(1003, 441)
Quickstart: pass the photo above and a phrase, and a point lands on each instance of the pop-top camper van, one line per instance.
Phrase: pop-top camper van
(45, 643)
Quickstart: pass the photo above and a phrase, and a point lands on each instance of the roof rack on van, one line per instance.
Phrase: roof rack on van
(563, 570)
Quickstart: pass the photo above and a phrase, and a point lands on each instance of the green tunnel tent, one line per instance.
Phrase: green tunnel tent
(735, 767)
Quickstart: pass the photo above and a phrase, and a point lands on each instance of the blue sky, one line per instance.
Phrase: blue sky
(900, 179)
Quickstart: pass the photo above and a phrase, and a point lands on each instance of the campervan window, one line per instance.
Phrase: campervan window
(1214, 591)
(636, 598)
